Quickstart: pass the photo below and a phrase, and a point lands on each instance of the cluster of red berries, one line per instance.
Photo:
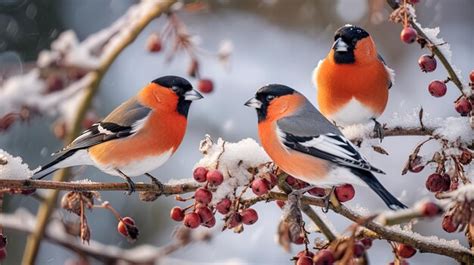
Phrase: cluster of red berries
(427, 63)
(329, 256)
(203, 211)
(405, 251)
(127, 227)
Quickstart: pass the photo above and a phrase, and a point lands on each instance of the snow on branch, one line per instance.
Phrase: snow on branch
(56, 233)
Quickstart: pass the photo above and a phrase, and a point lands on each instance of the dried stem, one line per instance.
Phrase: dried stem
(45, 210)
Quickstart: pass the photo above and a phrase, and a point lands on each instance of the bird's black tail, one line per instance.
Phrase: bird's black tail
(50, 167)
(369, 178)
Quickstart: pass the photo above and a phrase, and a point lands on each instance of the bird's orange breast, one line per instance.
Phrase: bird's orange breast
(297, 164)
(161, 132)
(338, 83)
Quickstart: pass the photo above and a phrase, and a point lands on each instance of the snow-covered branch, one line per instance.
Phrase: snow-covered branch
(56, 233)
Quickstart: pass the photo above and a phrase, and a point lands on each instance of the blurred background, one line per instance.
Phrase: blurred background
(275, 41)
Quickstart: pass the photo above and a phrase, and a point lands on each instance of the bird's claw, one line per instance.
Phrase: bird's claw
(131, 186)
(155, 181)
(327, 200)
(378, 130)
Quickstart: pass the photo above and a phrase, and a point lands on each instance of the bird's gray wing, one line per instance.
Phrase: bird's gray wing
(310, 133)
(390, 71)
(124, 121)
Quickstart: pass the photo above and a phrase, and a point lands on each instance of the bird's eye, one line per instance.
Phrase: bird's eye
(174, 88)
(270, 97)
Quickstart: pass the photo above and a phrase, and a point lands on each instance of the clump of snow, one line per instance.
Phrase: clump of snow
(454, 128)
(433, 240)
(13, 167)
(464, 193)
(234, 161)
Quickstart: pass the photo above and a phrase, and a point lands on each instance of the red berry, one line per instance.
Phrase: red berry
(290, 180)
(318, 192)
(405, 251)
(413, 2)
(304, 261)
(298, 241)
(249, 216)
(153, 44)
(471, 76)
(177, 214)
(463, 106)
(127, 228)
(3, 241)
(235, 219)
(223, 207)
(205, 85)
(260, 186)
(192, 220)
(430, 209)
(415, 165)
(304, 253)
(205, 214)
(437, 88)
(210, 223)
(203, 196)
(3, 253)
(345, 192)
(427, 63)
(199, 174)
(280, 203)
(324, 257)
(448, 224)
(359, 249)
(300, 184)
(367, 242)
(408, 35)
(215, 177)
(437, 182)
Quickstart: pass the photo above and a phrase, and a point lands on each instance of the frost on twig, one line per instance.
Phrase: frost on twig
(13, 167)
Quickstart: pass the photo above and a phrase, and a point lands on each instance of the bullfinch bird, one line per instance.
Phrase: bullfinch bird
(137, 137)
(306, 145)
(353, 80)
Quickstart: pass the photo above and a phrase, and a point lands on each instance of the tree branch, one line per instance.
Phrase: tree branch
(424, 244)
(45, 210)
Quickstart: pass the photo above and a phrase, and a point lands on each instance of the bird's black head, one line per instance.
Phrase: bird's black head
(182, 88)
(345, 41)
(265, 96)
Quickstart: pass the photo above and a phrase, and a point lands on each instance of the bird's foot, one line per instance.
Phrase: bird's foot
(156, 182)
(327, 200)
(131, 184)
(378, 130)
